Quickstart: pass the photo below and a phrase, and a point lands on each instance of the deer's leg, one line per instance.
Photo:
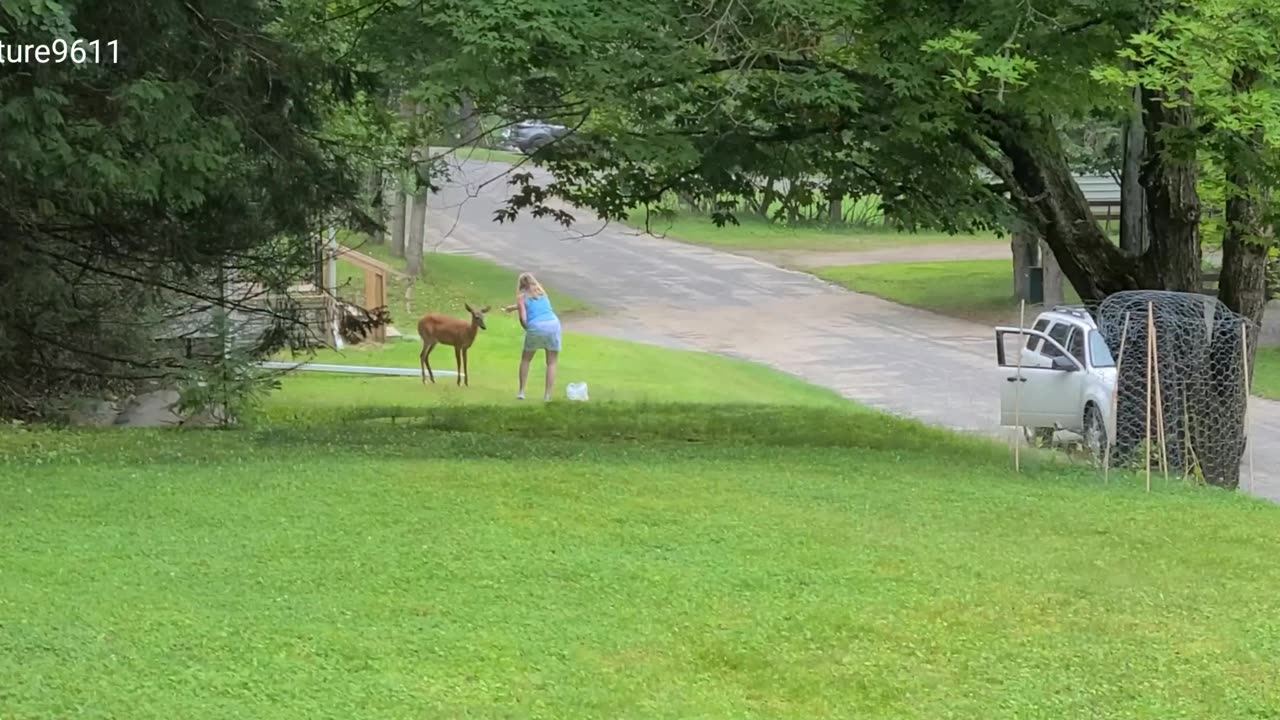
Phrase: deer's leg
(466, 367)
(426, 362)
(457, 358)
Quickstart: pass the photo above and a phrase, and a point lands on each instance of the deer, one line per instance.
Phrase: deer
(458, 333)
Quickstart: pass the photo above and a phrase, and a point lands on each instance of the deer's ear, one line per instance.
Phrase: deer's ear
(484, 309)
(468, 307)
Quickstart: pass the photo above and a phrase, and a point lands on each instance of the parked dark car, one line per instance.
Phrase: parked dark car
(531, 135)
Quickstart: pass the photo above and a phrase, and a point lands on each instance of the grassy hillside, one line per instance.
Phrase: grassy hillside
(977, 290)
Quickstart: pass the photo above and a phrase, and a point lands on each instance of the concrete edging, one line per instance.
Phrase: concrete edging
(351, 369)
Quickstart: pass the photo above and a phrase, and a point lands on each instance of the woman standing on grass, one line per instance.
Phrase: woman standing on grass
(541, 330)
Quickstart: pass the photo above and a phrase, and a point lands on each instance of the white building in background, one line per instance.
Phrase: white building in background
(1099, 189)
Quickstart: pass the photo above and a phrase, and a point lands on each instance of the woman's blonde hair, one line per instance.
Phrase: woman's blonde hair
(528, 284)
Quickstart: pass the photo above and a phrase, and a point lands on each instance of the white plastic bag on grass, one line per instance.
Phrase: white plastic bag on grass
(576, 391)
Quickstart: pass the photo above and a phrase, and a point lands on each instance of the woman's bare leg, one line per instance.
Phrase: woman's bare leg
(553, 357)
(525, 359)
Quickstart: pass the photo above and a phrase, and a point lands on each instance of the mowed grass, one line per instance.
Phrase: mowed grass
(976, 290)
(613, 370)
(615, 560)
(1266, 373)
(753, 233)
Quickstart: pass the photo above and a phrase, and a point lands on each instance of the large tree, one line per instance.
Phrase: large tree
(436, 69)
(134, 182)
(909, 99)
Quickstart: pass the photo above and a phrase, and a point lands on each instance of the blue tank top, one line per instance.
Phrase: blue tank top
(538, 309)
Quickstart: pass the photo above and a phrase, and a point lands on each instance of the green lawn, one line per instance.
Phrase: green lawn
(978, 290)
(756, 234)
(1266, 374)
(614, 370)
(615, 560)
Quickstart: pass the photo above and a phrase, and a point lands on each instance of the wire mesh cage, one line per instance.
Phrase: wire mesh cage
(1182, 384)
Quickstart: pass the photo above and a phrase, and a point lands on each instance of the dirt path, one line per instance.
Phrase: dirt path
(897, 359)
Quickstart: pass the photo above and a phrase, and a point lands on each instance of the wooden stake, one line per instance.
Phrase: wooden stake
(1244, 344)
(1155, 368)
(1188, 455)
(1017, 386)
(1147, 447)
(1115, 400)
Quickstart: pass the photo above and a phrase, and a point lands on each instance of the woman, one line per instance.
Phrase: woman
(541, 329)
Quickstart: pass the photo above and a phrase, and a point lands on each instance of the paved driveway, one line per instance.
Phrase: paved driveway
(894, 358)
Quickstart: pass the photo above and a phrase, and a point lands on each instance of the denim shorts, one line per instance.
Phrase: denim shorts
(542, 335)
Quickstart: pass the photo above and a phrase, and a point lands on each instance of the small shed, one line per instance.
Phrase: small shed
(376, 275)
(1103, 194)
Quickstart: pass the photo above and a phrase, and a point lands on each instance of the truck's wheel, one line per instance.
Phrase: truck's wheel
(1095, 435)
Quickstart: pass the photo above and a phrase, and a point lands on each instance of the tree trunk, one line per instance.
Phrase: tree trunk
(377, 210)
(415, 233)
(1025, 248)
(405, 186)
(1053, 287)
(768, 195)
(1169, 177)
(469, 121)
(1242, 285)
(1046, 191)
(398, 225)
(1133, 206)
(835, 208)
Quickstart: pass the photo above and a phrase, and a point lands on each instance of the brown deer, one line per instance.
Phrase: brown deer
(455, 332)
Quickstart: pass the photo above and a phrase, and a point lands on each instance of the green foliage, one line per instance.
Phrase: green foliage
(130, 186)
(1094, 145)
(869, 99)
(227, 383)
(1221, 56)
(971, 73)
